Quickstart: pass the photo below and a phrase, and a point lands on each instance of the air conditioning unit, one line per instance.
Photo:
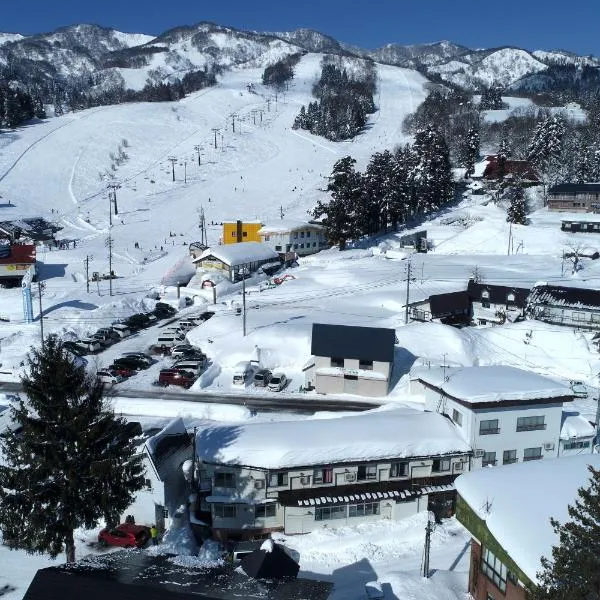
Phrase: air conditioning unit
(349, 476)
(479, 453)
(548, 446)
(304, 480)
(458, 466)
(259, 484)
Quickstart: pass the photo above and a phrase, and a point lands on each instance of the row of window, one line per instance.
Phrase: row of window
(510, 456)
(576, 445)
(492, 426)
(326, 513)
(365, 365)
(229, 511)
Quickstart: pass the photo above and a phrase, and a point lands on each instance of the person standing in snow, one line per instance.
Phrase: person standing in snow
(154, 535)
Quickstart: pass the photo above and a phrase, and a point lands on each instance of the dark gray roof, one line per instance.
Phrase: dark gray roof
(498, 294)
(345, 341)
(574, 188)
(571, 297)
(271, 564)
(452, 303)
(135, 574)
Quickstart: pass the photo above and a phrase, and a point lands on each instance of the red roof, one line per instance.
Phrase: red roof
(20, 253)
(518, 168)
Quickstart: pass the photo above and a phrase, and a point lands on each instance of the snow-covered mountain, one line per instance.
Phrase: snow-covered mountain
(106, 56)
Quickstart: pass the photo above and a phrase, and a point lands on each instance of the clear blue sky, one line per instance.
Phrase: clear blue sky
(547, 24)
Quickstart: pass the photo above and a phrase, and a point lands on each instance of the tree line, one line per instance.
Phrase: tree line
(279, 73)
(395, 187)
(342, 103)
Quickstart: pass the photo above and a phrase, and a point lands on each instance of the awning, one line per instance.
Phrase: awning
(237, 500)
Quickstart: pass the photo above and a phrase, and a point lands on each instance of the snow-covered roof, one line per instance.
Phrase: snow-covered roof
(240, 254)
(286, 226)
(494, 384)
(374, 435)
(517, 502)
(575, 425)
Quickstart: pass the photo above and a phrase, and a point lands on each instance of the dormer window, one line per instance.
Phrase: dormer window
(510, 298)
(485, 299)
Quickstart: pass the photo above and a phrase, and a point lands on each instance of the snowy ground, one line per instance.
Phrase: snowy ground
(58, 170)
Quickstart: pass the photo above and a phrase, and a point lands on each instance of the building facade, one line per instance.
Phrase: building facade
(295, 237)
(505, 414)
(350, 360)
(568, 306)
(496, 304)
(357, 469)
(574, 197)
(235, 232)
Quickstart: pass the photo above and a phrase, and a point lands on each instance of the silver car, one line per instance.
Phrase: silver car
(278, 382)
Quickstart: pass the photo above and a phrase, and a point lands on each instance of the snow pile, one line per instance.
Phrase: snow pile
(575, 425)
(546, 488)
(367, 436)
(267, 546)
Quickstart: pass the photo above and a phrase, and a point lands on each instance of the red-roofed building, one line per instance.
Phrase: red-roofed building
(521, 170)
(15, 263)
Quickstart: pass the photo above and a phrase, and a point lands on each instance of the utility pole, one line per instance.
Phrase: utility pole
(114, 187)
(281, 212)
(193, 480)
(244, 299)
(41, 287)
(109, 208)
(253, 113)
(214, 130)
(428, 530)
(109, 245)
(185, 171)
(222, 144)
(509, 238)
(86, 262)
(203, 236)
(172, 160)
(233, 116)
(198, 148)
(268, 104)
(261, 112)
(408, 275)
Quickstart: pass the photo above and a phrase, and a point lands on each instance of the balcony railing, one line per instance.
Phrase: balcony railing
(538, 427)
(488, 463)
(536, 457)
(510, 461)
(489, 431)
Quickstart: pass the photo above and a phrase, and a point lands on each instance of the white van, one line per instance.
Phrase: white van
(196, 366)
(169, 339)
(121, 330)
(243, 371)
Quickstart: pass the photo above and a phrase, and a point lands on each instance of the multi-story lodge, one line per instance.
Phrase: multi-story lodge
(301, 475)
(574, 197)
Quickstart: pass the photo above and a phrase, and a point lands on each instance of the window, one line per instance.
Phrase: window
(510, 298)
(399, 469)
(530, 423)
(337, 362)
(509, 457)
(493, 569)
(457, 417)
(278, 479)
(366, 365)
(440, 464)
(576, 445)
(148, 484)
(264, 511)
(324, 513)
(485, 299)
(489, 427)
(244, 234)
(295, 246)
(301, 245)
(233, 234)
(363, 510)
(277, 248)
(225, 511)
(224, 480)
(302, 234)
(532, 454)
(323, 475)
(489, 459)
(267, 238)
(296, 235)
(366, 472)
(308, 234)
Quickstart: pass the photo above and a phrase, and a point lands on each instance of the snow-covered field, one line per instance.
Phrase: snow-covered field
(58, 169)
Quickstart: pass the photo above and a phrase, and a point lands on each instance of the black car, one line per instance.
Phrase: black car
(75, 348)
(131, 362)
(206, 315)
(162, 310)
(138, 321)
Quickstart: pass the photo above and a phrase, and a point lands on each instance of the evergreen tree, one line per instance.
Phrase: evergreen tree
(545, 148)
(377, 192)
(340, 212)
(573, 573)
(517, 210)
(472, 151)
(72, 463)
(503, 156)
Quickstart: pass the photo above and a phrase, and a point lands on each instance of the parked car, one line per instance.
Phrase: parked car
(579, 389)
(126, 535)
(137, 321)
(262, 378)
(75, 348)
(187, 324)
(243, 371)
(107, 333)
(176, 377)
(140, 356)
(121, 330)
(131, 362)
(278, 382)
(102, 340)
(92, 345)
(109, 378)
(163, 311)
(195, 366)
(121, 370)
(181, 349)
(206, 315)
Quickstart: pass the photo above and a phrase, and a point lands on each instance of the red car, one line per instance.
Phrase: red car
(126, 535)
(122, 371)
(176, 377)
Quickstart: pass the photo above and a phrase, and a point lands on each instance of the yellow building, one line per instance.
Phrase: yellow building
(235, 232)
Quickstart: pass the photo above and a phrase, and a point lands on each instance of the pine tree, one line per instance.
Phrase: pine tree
(377, 187)
(340, 212)
(504, 154)
(471, 151)
(72, 463)
(545, 148)
(517, 210)
(573, 573)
